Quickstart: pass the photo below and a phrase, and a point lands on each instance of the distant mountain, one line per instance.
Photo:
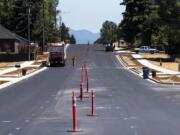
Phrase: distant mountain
(84, 36)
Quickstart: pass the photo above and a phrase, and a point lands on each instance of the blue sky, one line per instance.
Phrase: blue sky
(90, 14)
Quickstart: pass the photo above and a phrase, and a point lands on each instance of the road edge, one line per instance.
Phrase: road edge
(22, 78)
(140, 76)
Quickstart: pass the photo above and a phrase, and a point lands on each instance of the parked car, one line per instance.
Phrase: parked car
(109, 48)
(145, 49)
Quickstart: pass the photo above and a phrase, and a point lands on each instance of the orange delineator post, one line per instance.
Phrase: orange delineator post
(82, 74)
(74, 114)
(87, 79)
(93, 104)
(81, 92)
(73, 60)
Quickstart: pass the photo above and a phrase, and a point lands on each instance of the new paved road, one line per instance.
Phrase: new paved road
(125, 103)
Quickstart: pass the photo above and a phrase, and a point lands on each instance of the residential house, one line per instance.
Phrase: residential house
(9, 41)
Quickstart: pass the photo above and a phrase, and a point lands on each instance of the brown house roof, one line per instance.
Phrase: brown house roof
(7, 34)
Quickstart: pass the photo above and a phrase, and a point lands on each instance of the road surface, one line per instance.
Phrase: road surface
(125, 103)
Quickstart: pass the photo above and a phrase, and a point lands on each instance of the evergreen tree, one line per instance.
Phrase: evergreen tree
(139, 23)
(19, 18)
(152, 22)
(64, 33)
(14, 16)
(170, 25)
(72, 39)
(6, 12)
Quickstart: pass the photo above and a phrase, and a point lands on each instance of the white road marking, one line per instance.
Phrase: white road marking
(47, 118)
(26, 121)
(133, 117)
(118, 108)
(59, 93)
(6, 121)
(132, 127)
(125, 118)
(159, 89)
(18, 128)
(101, 108)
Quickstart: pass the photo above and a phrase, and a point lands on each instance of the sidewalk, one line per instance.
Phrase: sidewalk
(135, 62)
(7, 80)
(23, 65)
(13, 75)
(146, 63)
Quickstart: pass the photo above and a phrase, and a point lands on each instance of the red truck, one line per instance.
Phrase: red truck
(57, 55)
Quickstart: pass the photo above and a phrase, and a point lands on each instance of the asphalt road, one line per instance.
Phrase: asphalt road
(125, 103)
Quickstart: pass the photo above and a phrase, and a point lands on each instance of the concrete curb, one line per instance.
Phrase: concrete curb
(14, 81)
(22, 78)
(149, 79)
(132, 71)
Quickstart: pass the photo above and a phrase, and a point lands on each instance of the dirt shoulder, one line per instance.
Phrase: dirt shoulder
(5, 65)
(162, 60)
(9, 73)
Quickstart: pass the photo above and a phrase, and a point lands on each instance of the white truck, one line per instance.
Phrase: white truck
(145, 49)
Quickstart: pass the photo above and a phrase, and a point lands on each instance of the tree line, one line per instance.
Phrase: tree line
(14, 16)
(153, 23)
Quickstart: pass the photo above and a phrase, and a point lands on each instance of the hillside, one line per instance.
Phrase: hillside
(84, 36)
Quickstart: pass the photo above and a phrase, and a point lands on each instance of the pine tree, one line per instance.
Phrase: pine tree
(72, 39)
(64, 33)
(14, 16)
(139, 21)
(19, 19)
(170, 25)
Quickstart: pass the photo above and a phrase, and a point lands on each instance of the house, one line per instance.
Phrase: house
(9, 41)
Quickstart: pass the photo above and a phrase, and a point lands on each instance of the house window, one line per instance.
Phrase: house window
(7, 47)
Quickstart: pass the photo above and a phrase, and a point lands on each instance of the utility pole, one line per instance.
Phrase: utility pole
(60, 23)
(43, 19)
(29, 32)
